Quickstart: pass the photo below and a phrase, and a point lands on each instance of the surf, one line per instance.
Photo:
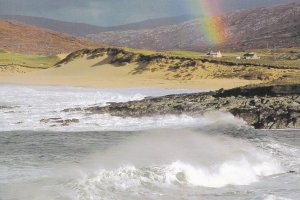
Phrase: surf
(172, 158)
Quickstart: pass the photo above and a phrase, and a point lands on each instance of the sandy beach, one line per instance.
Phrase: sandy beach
(98, 73)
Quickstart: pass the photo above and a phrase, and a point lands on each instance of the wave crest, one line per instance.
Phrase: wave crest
(130, 178)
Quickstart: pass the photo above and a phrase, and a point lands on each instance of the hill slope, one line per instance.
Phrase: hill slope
(29, 39)
(152, 23)
(82, 29)
(246, 29)
(76, 29)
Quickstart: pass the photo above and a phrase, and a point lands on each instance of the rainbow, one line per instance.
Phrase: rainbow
(212, 25)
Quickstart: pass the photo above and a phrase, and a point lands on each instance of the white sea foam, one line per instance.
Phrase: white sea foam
(27, 106)
(235, 172)
(172, 158)
(273, 197)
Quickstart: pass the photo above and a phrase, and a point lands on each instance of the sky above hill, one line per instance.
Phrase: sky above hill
(116, 12)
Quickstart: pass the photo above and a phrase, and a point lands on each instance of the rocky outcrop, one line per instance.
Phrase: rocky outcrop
(263, 90)
(263, 107)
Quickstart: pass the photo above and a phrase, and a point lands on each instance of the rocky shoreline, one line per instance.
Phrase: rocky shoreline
(263, 106)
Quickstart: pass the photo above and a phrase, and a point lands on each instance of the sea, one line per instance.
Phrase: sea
(214, 156)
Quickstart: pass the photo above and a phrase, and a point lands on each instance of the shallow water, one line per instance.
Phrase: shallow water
(22, 108)
(214, 156)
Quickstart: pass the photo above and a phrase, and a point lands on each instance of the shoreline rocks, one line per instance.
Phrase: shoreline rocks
(60, 121)
(261, 106)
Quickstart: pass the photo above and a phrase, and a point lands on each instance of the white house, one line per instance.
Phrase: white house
(214, 54)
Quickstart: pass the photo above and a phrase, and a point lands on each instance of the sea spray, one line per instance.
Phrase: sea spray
(172, 158)
(165, 164)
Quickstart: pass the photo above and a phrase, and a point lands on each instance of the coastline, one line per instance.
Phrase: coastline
(206, 84)
(261, 106)
(263, 98)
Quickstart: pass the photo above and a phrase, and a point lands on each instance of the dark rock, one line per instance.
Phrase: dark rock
(263, 107)
(272, 90)
(63, 122)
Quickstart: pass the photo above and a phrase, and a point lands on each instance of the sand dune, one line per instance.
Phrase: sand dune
(99, 73)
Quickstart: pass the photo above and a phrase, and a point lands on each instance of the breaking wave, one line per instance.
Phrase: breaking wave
(235, 172)
(172, 158)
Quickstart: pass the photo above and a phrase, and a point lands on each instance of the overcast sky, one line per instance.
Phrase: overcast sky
(115, 12)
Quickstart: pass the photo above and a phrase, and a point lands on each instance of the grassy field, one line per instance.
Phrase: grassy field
(282, 58)
(25, 60)
(275, 58)
(282, 65)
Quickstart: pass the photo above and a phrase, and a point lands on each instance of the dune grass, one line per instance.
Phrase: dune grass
(273, 65)
(282, 65)
(283, 58)
(32, 61)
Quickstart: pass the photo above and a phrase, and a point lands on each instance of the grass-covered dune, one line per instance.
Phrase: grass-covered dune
(193, 65)
(14, 63)
(276, 58)
(27, 60)
(119, 67)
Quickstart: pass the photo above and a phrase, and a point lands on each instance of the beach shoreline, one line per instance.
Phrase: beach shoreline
(205, 84)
